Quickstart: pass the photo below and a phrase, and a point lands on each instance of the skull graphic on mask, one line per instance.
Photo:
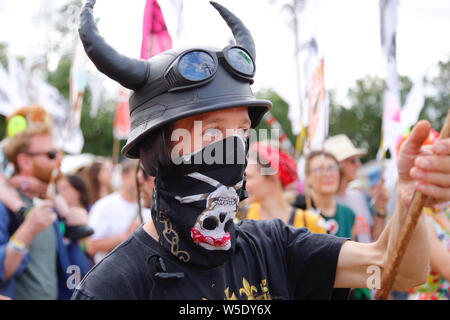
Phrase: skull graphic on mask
(210, 229)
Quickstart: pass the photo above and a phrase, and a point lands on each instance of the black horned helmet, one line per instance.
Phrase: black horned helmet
(163, 88)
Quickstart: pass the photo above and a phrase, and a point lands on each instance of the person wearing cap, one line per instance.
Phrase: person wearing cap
(191, 112)
(367, 227)
(268, 173)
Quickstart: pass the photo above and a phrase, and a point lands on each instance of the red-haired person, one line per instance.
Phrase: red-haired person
(269, 172)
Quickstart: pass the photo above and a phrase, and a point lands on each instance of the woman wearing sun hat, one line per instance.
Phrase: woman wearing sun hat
(348, 156)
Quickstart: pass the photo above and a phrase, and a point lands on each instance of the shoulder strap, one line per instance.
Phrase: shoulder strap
(292, 217)
(14, 222)
(253, 211)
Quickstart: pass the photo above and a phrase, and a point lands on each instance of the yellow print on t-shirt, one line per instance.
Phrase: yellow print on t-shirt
(249, 292)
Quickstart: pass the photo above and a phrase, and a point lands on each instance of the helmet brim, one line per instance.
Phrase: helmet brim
(257, 109)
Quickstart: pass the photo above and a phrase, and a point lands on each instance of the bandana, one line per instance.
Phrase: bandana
(284, 166)
(196, 199)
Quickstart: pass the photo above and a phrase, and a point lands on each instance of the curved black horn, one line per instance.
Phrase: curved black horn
(240, 32)
(130, 73)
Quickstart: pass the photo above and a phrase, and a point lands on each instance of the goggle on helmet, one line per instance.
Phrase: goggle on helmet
(178, 83)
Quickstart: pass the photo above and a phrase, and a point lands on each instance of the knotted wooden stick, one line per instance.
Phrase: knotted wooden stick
(409, 225)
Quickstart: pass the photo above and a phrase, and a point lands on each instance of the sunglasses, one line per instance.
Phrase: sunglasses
(329, 169)
(50, 154)
(355, 161)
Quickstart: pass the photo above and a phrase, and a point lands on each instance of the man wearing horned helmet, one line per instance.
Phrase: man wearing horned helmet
(192, 249)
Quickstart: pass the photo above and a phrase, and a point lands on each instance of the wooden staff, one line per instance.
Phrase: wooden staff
(413, 215)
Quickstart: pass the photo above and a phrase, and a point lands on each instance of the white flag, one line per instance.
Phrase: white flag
(78, 81)
(391, 96)
(95, 84)
(54, 103)
(25, 89)
(19, 84)
(6, 105)
(413, 105)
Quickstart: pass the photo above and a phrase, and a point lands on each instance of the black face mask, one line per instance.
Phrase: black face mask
(196, 199)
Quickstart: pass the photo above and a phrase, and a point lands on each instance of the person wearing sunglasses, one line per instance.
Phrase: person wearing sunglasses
(190, 132)
(368, 226)
(35, 262)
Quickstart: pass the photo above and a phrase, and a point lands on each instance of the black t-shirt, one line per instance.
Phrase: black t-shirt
(271, 261)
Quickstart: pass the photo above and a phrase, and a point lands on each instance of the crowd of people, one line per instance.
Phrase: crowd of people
(36, 251)
(167, 222)
(351, 212)
(36, 246)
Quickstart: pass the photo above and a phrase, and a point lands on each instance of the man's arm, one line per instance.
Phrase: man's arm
(381, 198)
(106, 244)
(39, 218)
(425, 170)
(355, 258)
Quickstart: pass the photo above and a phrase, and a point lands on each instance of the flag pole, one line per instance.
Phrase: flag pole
(408, 227)
(115, 150)
(74, 105)
(301, 137)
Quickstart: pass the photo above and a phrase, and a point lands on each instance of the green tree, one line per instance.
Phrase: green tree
(361, 121)
(437, 103)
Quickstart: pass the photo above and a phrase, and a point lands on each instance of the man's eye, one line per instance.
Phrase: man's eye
(243, 132)
(211, 133)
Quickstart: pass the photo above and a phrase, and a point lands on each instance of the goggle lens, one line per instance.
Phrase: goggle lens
(240, 61)
(196, 66)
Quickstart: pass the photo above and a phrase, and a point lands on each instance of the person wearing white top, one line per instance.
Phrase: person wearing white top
(115, 216)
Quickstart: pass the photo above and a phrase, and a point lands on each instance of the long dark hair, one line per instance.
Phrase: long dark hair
(94, 192)
(78, 183)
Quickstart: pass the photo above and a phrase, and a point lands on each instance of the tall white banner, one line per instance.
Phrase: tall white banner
(19, 88)
(6, 106)
(391, 97)
(413, 105)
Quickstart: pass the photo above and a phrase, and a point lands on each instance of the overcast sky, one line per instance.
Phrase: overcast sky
(348, 33)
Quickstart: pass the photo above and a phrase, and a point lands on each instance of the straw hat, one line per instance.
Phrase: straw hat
(342, 147)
